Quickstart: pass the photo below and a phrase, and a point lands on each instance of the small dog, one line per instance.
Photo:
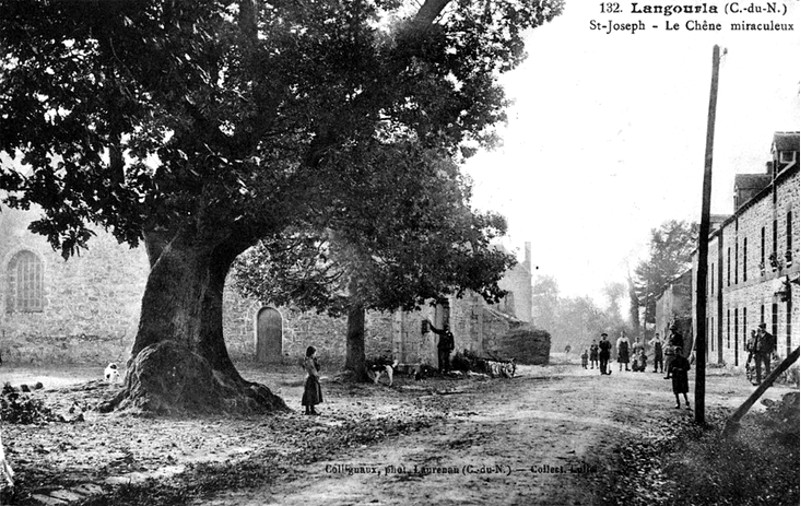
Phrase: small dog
(381, 366)
(111, 374)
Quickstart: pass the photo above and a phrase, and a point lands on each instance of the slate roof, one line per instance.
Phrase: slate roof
(786, 141)
(751, 181)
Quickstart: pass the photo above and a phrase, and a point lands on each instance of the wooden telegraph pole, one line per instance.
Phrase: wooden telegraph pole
(703, 249)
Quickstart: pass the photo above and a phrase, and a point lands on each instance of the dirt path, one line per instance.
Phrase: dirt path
(521, 441)
(465, 441)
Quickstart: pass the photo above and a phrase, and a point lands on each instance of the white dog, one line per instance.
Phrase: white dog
(111, 374)
(382, 366)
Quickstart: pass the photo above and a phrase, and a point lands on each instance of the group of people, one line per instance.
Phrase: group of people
(760, 347)
(668, 357)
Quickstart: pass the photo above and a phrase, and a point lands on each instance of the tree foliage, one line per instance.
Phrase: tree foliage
(142, 115)
(670, 253)
(413, 239)
(613, 291)
(576, 320)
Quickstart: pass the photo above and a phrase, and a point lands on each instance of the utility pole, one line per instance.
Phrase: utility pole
(703, 248)
(647, 292)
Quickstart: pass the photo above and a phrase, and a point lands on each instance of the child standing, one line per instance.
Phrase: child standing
(593, 354)
(584, 355)
(678, 369)
(312, 393)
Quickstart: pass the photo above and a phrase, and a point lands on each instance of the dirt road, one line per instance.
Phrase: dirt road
(548, 436)
(529, 440)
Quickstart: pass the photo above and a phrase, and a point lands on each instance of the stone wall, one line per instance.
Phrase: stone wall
(300, 330)
(91, 302)
(476, 327)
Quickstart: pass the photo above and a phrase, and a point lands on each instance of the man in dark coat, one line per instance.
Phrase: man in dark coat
(764, 347)
(604, 353)
(656, 343)
(623, 351)
(445, 346)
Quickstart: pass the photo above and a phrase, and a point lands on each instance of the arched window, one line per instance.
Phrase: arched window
(25, 284)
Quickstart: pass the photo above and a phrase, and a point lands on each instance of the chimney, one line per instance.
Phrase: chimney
(528, 255)
(769, 168)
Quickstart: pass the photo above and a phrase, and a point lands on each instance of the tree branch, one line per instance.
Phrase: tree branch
(430, 10)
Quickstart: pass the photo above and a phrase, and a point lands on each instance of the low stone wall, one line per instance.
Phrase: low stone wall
(37, 349)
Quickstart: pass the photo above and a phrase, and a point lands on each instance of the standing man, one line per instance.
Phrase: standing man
(656, 344)
(623, 351)
(593, 354)
(675, 347)
(445, 346)
(764, 348)
(604, 352)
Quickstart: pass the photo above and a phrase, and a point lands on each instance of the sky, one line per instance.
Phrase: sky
(606, 138)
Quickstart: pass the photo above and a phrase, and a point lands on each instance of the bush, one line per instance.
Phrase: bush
(20, 408)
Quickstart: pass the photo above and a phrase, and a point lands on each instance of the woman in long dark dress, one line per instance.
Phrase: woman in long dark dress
(677, 371)
(312, 393)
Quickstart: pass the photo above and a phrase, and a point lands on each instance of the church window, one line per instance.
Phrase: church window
(25, 284)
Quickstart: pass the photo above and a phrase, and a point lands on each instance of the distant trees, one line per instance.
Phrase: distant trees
(576, 320)
(669, 255)
(545, 302)
(614, 292)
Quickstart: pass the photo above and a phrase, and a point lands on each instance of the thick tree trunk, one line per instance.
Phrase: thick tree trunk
(179, 362)
(355, 362)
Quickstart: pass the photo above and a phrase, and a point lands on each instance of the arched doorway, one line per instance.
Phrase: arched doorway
(269, 335)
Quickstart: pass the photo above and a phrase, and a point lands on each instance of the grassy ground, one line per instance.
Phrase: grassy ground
(682, 463)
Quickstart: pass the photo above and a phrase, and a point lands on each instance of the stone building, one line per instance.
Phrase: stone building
(51, 310)
(674, 304)
(86, 309)
(754, 258)
(476, 326)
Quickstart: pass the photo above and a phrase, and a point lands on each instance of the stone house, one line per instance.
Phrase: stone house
(754, 260)
(674, 304)
(86, 309)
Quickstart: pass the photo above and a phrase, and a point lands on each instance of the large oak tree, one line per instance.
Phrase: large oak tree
(199, 127)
